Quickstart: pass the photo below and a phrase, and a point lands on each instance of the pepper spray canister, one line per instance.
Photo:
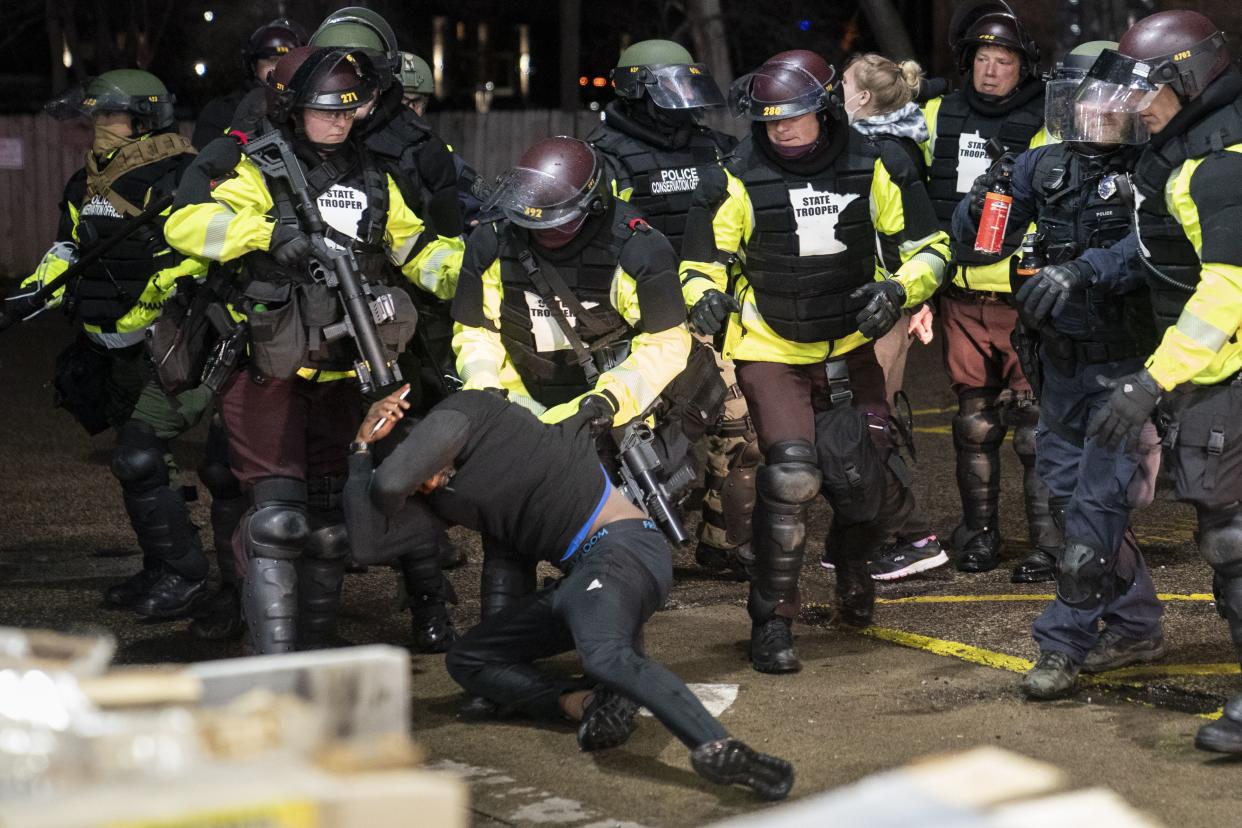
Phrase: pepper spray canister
(995, 217)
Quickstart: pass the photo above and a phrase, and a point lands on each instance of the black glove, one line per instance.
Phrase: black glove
(1118, 423)
(1044, 295)
(711, 312)
(290, 246)
(712, 188)
(884, 302)
(978, 194)
(597, 410)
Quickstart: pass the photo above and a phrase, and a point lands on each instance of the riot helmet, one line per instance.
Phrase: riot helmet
(310, 77)
(354, 27)
(666, 74)
(555, 185)
(787, 85)
(416, 76)
(272, 40)
(1069, 119)
(1180, 48)
(135, 91)
(991, 23)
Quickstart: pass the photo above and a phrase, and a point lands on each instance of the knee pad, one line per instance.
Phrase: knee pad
(1024, 442)
(1086, 577)
(219, 479)
(1220, 542)
(278, 526)
(789, 481)
(977, 425)
(138, 459)
(328, 543)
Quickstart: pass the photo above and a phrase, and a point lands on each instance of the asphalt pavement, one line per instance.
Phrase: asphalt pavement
(936, 673)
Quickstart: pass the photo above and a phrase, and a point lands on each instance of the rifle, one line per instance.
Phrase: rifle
(24, 306)
(645, 484)
(335, 268)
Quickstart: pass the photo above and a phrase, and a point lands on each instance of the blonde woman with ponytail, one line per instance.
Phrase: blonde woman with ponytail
(878, 95)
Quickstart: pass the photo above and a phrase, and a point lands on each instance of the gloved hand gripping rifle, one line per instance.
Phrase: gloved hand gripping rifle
(335, 267)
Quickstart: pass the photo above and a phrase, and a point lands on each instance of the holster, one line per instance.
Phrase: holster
(1026, 342)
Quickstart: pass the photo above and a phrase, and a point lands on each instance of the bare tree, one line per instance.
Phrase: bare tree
(711, 43)
(888, 27)
(571, 47)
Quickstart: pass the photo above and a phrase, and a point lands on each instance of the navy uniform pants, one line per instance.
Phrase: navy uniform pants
(1097, 487)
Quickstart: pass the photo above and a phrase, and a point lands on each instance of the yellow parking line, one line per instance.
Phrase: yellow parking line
(919, 412)
(971, 599)
(1116, 679)
(952, 649)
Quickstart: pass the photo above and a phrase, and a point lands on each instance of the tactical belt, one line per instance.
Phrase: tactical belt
(1062, 350)
(977, 297)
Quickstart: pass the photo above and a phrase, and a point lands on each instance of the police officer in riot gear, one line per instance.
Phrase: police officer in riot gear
(1075, 305)
(571, 299)
(291, 410)
(833, 235)
(399, 139)
(105, 378)
(265, 46)
(1003, 98)
(404, 146)
(477, 460)
(1173, 69)
(655, 145)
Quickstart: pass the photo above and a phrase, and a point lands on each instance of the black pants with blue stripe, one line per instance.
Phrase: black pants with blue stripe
(615, 582)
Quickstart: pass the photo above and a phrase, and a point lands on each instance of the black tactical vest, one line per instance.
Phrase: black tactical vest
(357, 170)
(1015, 130)
(663, 180)
(1082, 209)
(805, 298)
(115, 191)
(1169, 259)
(395, 146)
(554, 377)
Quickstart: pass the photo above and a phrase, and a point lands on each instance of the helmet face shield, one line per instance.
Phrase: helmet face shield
(1089, 120)
(777, 91)
(99, 97)
(1116, 83)
(671, 86)
(539, 200)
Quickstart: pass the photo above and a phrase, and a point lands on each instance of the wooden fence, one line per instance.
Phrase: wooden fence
(38, 154)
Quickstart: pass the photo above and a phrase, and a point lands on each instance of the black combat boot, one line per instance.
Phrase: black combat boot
(980, 551)
(135, 587)
(171, 597)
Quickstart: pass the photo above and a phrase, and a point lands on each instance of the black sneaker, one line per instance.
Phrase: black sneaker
(903, 559)
(771, 647)
(1054, 676)
(1114, 650)
(172, 596)
(607, 721)
(133, 589)
(731, 762)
